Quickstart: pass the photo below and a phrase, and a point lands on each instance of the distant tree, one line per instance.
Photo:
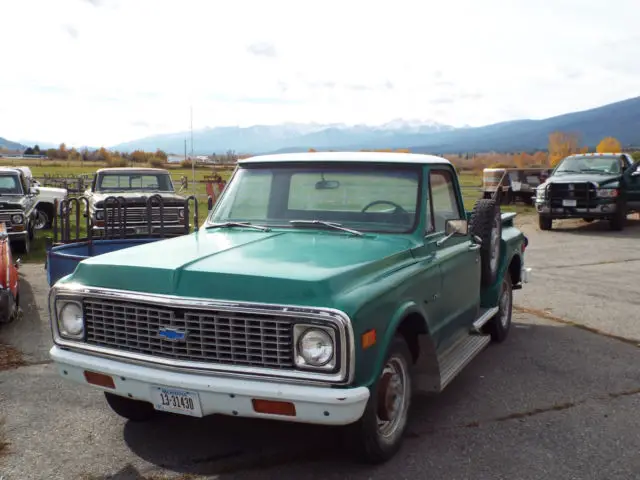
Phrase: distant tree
(563, 144)
(609, 145)
(161, 155)
(28, 151)
(36, 150)
(52, 153)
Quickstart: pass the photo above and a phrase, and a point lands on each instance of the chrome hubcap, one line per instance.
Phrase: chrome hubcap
(41, 220)
(393, 401)
(505, 307)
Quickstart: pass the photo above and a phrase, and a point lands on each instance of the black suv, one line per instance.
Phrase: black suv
(590, 186)
(17, 207)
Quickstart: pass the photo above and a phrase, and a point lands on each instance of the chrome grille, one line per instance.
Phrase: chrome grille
(212, 336)
(139, 215)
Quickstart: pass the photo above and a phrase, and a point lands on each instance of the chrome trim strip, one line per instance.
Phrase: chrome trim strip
(336, 317)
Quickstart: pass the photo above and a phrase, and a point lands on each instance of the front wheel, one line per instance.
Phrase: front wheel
(545, 223)
(378, 435)
(134, 410)
(619, 219)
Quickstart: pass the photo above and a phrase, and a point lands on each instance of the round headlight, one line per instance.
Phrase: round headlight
(181, 213)
(71, 321)
(17, 218)
(99, 215)
(315, 347)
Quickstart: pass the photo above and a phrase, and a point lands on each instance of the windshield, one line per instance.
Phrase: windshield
(154, 182)
(362, 197)
(10, 185)
(609, 164)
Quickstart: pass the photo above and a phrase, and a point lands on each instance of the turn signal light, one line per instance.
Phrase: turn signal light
(273, 407)
(99, 379)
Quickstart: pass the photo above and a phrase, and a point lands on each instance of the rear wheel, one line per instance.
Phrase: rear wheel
(134, 410)
(486, 223)
(498, 327)
(378, 435)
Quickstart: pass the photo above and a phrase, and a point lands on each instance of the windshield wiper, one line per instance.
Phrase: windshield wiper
(337, 226)
(238, 224)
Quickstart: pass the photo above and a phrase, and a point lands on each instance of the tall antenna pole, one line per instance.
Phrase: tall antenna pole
(193, 160)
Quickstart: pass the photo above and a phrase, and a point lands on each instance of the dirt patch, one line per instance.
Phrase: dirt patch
(10, 357)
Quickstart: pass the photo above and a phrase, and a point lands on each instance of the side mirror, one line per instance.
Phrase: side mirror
(34, 190)
(453, 227)
(456, 227)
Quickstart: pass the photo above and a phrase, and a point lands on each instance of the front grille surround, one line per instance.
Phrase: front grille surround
(139, 215)
(585, 194)
(5, 217)
(261, 365)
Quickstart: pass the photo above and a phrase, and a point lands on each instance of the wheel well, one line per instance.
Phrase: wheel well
(515, 269)
(410, 327)
(46, 207)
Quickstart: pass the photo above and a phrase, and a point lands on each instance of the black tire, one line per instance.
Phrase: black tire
(44, 217)
(485, 221)
(134, 410)
(619, 219)
(498, 327)
(364, 437)
(544, 222)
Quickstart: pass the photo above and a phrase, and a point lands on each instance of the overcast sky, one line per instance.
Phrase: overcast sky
(99, 72)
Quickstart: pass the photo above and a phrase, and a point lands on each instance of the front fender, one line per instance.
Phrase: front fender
(371, 360)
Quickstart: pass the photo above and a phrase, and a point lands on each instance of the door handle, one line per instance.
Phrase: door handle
(473, 247)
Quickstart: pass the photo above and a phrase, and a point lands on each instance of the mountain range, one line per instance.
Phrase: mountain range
(620, 120)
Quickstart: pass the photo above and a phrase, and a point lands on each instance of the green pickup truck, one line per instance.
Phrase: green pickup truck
(323, 288)
(591, 186)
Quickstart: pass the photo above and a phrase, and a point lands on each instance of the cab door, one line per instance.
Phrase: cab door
(457, 256)
(632, 184)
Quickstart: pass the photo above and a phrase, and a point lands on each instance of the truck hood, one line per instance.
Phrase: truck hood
(284, 267)
(137, 197)
(11, 202)
(597, 178)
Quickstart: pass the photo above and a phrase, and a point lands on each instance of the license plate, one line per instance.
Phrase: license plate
(569, 203)
(175, 400)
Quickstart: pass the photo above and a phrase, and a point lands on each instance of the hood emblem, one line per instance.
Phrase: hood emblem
(172, 334)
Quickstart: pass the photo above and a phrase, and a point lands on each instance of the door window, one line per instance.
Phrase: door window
(443, 200)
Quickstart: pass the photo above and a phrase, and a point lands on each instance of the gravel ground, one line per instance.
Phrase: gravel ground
(558, 399)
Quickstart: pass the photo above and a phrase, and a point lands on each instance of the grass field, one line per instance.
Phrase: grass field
(470, 184)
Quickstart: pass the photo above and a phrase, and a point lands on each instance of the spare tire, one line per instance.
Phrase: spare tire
(485, 222)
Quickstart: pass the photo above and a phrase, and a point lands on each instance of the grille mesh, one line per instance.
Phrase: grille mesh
(212, 336)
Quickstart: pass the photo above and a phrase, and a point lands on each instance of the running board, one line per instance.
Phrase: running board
(455, 359)
(486, 314)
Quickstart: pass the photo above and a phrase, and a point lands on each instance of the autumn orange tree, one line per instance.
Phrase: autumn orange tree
(563, 144)
(609, 145)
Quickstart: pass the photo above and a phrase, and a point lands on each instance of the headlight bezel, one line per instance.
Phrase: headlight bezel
(20, 217)
(607, 192)
(304, 328)
(60, 304)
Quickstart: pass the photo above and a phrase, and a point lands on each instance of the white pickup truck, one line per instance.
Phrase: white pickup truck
(45, 200)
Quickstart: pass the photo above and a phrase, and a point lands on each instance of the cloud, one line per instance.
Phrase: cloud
(71, 30)
(264, 49)
(135, 75)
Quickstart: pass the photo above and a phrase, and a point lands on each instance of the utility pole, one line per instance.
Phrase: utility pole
(193, 160)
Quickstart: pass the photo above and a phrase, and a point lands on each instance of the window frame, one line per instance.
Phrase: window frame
(454, 182)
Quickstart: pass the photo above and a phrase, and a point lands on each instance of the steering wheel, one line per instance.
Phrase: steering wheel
(398, 209)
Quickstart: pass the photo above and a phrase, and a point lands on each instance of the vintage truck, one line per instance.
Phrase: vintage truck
(45, 200)
(604, 186)
(9, 280)
(18, 201)
(133, 186)
(323, 288)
